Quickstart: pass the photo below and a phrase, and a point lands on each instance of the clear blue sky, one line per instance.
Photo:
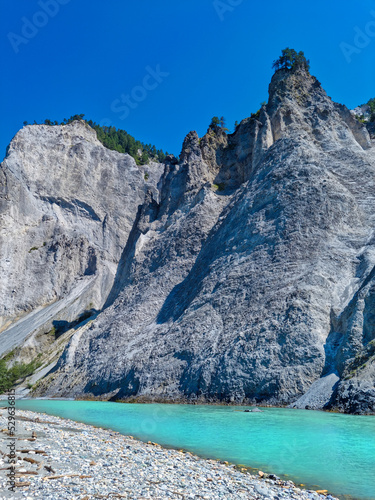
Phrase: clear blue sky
(83, 56)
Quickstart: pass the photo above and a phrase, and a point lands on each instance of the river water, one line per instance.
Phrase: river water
(321, 450)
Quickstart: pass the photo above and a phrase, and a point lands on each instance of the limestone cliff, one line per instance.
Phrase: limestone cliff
(67, 208)
(243, 272)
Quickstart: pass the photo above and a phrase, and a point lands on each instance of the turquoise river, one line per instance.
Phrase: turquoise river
(321, 450)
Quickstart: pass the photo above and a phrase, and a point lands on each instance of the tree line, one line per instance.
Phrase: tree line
(117, 140)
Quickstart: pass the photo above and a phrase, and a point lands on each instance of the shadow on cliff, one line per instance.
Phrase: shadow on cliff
(183, 294)
(146, 214)
(125, 387)
(126, 259)
(338, 347)
(63, 326)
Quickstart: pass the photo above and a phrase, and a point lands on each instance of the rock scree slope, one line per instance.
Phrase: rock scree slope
(243, 272)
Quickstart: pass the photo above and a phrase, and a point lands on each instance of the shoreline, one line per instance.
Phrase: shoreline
(3, 397)
(84, 461)
(147, 400)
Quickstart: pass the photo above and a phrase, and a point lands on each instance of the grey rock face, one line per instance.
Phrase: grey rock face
(248, 293)
(319, 394)
(67, 208)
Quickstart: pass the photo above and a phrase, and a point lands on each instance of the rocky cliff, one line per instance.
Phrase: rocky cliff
(244, 272)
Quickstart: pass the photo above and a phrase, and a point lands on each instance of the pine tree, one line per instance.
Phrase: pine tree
(291, 60)
(371, 105)
(215, 122)
(144, 158)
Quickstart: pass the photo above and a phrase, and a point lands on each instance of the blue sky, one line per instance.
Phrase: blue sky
(211, 57)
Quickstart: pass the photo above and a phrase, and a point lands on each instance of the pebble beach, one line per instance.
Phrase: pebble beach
(59, 459)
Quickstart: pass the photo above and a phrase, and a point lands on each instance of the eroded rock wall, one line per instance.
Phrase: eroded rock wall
(242, 273)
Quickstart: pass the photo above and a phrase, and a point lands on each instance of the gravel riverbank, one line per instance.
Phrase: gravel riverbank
(59, 459)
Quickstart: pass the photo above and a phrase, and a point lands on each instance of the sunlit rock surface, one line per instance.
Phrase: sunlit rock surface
(243, 273)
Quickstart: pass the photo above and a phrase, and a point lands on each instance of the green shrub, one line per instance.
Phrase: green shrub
(8, 376)
(52, 332)
(10, 355)
(255, 116)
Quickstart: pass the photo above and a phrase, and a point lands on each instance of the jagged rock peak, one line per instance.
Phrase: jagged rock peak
(298, 106)
(190, 146)
(293, 84)
(171, 159)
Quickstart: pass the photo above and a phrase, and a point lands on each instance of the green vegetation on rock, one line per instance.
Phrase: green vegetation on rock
(371, 104)
(118, 140)
(9, 376)
(291, 60)
(219, 187)
(218, 124)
